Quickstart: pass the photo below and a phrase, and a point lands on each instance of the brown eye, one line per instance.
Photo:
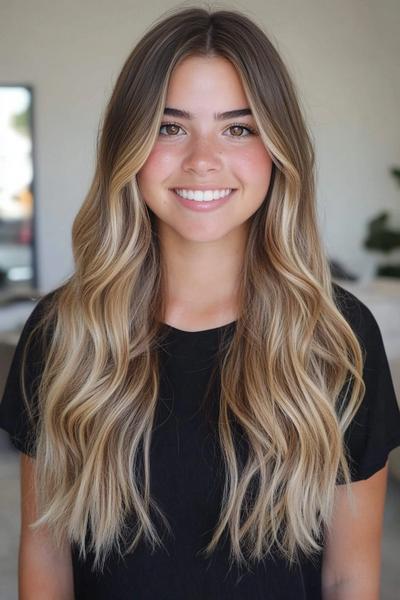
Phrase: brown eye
(174, 127)
(237, 126)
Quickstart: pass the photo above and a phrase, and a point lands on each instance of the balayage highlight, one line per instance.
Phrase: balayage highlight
(290, 376)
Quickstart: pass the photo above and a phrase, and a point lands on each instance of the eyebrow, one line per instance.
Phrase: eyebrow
(230, 114)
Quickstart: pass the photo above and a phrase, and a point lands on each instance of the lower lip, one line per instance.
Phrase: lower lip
(203, 206)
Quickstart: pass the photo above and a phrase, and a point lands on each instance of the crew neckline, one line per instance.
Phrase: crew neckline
(184, 332)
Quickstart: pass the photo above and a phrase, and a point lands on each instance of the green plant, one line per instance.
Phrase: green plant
(381, 237)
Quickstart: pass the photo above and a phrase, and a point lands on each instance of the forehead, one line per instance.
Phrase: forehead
(200, 84)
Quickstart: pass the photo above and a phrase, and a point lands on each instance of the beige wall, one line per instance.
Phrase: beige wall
(343, 55)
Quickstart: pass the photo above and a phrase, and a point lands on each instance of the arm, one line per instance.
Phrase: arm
(352, 556)
(43, 572)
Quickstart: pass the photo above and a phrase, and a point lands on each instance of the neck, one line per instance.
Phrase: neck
(202, 277)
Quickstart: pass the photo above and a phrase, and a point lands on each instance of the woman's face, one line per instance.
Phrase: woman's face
(204, 153)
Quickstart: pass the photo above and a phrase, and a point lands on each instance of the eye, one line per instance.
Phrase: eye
(173, 129)
(175, 125)
(250, 130)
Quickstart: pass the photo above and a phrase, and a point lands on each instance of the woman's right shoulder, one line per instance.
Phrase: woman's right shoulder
(42, 307)
(39, 324)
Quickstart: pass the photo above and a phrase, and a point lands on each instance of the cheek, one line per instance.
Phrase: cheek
(158, 164)
(254, 166)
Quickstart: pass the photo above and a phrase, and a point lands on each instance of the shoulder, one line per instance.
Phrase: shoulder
(40, 312)
(43, 304)
(376, 370)
(359, 316)
(352, 308)
(37, 330)
(375, 428)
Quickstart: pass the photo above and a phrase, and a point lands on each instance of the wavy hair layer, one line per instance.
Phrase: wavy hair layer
(284, 370)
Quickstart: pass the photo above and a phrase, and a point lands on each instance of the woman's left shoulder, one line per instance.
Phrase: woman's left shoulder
(375, 429)
(359, 316)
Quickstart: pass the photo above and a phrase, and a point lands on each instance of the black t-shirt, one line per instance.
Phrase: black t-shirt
(187, 475)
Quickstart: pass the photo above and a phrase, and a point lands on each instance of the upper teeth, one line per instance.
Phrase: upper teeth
(203, 196)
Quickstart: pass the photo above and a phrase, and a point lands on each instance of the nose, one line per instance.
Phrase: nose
(202, 155)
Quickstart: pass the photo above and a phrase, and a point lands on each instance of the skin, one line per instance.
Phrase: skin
(203, 252)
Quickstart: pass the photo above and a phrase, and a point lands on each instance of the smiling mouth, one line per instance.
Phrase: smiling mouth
(210, 195)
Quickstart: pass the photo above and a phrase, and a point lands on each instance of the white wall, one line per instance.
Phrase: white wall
(343, 56)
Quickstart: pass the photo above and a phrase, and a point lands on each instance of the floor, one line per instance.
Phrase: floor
(9, 531)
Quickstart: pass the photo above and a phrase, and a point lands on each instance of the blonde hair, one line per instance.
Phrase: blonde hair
(290, 375)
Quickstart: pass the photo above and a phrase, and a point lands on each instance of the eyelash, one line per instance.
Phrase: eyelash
(250, 129)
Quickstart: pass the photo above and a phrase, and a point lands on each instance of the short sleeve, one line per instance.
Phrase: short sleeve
(375, 428)
(14, 415)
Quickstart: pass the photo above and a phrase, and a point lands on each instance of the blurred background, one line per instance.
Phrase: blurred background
(58, 64)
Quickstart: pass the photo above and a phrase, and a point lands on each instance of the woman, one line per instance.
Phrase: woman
(208, 414)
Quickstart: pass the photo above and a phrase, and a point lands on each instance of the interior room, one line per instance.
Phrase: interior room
(59, 61)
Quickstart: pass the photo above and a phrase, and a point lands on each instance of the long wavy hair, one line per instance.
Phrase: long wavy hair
(290, 374)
